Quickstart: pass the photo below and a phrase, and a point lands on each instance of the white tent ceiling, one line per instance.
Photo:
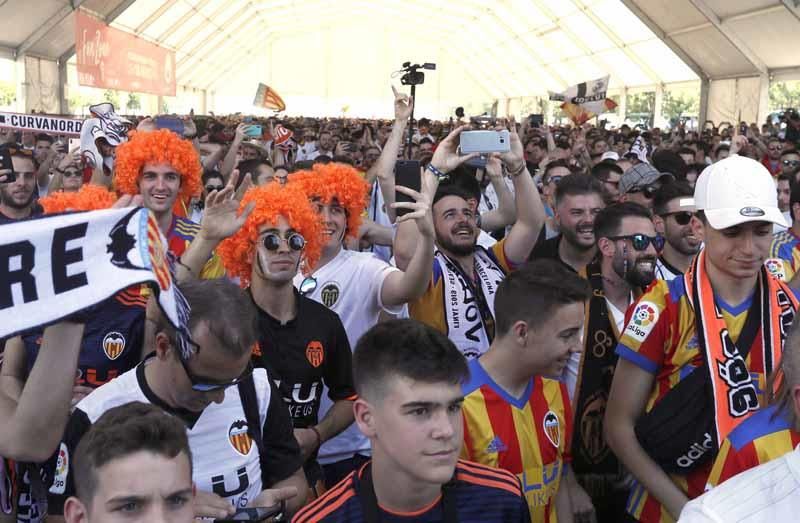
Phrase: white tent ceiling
(495, 49)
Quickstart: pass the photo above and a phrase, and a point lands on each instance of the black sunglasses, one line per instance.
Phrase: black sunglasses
(308, 285)
(210, 188)
(648, 190)
(295, 241)
(70, 174)
(641, 241)
(681, 217)
(793, 163)
(204, 384)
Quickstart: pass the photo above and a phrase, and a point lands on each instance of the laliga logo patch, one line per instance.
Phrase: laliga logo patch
(642, 320)
(239, 438)
(62, 469)
(330, 294)
(113, 345)
(315, 354)
(751, 212)
(775, 267)
(552, 427)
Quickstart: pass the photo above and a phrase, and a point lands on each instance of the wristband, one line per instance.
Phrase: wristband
(319, 438)
(436, 172)
(519, 171)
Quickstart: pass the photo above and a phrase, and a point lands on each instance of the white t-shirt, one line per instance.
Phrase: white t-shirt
(350, 285)
(767, 493)
(307, 151)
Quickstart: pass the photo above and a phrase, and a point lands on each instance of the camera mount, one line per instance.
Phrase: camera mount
(413, 76)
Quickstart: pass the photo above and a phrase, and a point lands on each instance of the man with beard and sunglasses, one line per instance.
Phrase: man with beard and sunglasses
(696, 352)
(673, 208)
(240, 434)
(301, 342)
(640, 183)
(627, 247)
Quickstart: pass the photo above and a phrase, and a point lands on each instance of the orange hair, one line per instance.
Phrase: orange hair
(272, 200)
(161, 146)
(340, 181)
(89, 198)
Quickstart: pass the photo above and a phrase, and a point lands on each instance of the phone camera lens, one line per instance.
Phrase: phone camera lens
(502, 140)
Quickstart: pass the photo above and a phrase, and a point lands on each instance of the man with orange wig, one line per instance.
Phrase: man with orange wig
(301, 343)
(165, 169)
(355, 285)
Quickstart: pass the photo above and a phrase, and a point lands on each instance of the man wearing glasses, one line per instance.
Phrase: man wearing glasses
(244, 453)
(673, 208)
(790, 164)
(696, 351)
(301, 342)
(627, 249)
(640, 183)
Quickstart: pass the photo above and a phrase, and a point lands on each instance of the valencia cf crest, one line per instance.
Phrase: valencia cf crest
(552, 427)
(239, 438)
(113, 345)
(315, 354)
(330, 294)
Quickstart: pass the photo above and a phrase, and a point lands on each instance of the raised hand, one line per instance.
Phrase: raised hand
(221, 216)
(446, 156)
(420, 210)
(403, 105)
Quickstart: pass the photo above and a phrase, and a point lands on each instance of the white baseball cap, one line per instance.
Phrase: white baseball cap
(737, 190)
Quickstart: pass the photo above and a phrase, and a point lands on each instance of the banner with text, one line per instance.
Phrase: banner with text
(41, 123)
(114, 59)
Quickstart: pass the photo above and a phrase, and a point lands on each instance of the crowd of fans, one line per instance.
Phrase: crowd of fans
(536, 334)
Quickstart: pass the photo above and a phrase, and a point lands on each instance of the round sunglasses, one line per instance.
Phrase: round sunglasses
(641, 241)
(295, 241)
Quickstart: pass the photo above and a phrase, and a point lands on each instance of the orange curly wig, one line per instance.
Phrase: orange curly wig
(161, 146)
(89, 198)
(272, 200)
(340, 181)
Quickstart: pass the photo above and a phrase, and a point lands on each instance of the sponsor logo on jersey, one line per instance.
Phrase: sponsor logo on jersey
(113, 345)
(552, 427)
(59, 484)
(642, 321)
(496, 445)
(315, 354)
(239, 438)
(695, 452)
(330, 294)
(775, 267)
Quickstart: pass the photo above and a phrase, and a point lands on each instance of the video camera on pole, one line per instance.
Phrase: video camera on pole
(413, 76)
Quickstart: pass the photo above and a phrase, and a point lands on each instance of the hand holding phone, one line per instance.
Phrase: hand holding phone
(254, 131)
(485, 142)
(406, 174)
(7, 167)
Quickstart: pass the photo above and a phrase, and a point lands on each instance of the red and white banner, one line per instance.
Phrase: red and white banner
(113, 59)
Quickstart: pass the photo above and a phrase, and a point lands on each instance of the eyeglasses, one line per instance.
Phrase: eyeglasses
(71, 174)
(554, 179)
(793, 163)
(681, 217)
(295, 241)
(210, 188)
(204, 384)
(641, 241)
(648, 190)
(308, 285)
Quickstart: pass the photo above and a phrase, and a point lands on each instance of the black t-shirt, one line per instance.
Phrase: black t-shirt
(36, 211)
(548, 249)
(301, 355)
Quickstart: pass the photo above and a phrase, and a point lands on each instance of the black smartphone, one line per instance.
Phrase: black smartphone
(256, 514)
(7, 164)
(407, 174)
(536, 120)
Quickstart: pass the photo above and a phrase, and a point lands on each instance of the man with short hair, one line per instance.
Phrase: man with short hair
(640, 183)
(463, 278)
(212, 180)
(44, 143)
(578, 199)
(134, 464)
(609, 174)
(790, 164)
(673, 209)
(719, 328)
(784, 188)
(772, 157)
(784, 252)
(721, 152)
(408, 377)
(515, 416)
(687, 155)
(627, 247)
(17, 197)
(244, 453)
(767, 441)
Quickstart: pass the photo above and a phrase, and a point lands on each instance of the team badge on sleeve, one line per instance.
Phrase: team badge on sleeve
(239, 438)
(642, 321)
(775, 267)
(113, 345)
(552, 427)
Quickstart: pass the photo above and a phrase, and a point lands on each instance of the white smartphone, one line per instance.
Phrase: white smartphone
(485, 142)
